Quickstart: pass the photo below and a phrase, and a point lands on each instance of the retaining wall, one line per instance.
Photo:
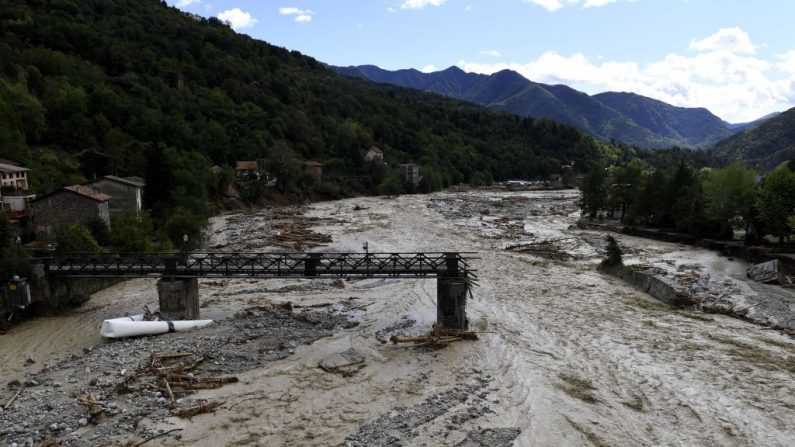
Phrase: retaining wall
(655, 285)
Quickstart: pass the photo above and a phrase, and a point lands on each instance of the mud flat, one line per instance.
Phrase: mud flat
(567, 356)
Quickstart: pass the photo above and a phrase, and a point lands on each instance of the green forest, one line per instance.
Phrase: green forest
(166, 94)
(704, 203)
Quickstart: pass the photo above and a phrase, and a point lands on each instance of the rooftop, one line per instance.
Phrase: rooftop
(4, 167)
(246, 165)
(126, 180)
(89, 192)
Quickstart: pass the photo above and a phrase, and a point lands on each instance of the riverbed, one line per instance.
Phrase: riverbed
(566, 356)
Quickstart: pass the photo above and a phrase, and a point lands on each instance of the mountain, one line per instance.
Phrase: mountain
(164, 94)
(763, 146)
(738, 127)
(624, 117)
(694, 126)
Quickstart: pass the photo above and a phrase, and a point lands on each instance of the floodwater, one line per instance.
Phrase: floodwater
(574, 357)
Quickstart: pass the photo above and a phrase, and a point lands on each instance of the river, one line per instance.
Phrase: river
(566, 355)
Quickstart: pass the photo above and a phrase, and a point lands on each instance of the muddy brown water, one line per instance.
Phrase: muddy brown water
(575, 357)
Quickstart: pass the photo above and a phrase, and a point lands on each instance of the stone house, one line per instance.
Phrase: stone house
(68, 206)
(374, 155)
(126, 193)
(410, 173)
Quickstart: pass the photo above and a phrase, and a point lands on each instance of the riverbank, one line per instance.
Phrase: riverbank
(725, 291)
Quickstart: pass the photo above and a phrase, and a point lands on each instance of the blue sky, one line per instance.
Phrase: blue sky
(735, 57)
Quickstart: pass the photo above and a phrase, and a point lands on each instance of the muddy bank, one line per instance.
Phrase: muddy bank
(46, 405)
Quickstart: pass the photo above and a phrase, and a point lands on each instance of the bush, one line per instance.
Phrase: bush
(613, 257)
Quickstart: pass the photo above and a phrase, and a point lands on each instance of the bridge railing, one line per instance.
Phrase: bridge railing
(221, 264)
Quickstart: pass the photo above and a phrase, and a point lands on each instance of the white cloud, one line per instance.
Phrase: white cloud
(723, 75)
(419, 4)
(237, 18)
(787, 62)
(554, 5)
(185, 3)
(430, 68)
(494, 53)
(390, 9)
(468, 8)
(734, 40)
(301, 15)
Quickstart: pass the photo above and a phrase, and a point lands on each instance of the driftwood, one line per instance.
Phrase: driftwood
(159, 435)
(167, 372)
(206, 407)
(90, 401)
(438, 337)
(11, 401)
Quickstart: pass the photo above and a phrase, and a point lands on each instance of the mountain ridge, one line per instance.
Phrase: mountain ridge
(617, 116)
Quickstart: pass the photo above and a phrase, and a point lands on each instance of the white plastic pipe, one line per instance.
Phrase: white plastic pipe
(134, 325)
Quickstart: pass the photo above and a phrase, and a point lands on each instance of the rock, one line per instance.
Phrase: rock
(54, 427)
(82, 422)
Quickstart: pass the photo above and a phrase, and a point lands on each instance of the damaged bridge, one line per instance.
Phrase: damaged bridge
(179, 273)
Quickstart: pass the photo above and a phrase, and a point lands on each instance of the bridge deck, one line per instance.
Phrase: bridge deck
(259, 265)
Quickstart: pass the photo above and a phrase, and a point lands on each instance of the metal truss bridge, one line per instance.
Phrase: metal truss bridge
(258, 265)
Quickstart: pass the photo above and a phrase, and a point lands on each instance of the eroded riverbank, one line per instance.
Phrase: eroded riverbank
(567, 356)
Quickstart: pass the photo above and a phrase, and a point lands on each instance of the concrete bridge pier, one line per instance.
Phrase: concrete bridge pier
(452, 289)
(178, 298)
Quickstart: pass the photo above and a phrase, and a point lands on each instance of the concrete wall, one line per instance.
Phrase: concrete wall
(655, 285)
(52, 294)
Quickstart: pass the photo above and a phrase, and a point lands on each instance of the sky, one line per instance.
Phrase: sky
(734, 57)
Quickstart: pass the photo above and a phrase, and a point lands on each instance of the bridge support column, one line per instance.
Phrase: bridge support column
(451, 298)
(179, 298)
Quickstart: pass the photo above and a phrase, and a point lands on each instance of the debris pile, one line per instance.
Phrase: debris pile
(769, 273)
(296, 235)
(552, 248)
(170, 373)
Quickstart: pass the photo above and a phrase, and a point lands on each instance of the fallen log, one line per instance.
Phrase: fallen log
(206, 407)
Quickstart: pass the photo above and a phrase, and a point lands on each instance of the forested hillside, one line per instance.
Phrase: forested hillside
(763, 146)
(166, 94)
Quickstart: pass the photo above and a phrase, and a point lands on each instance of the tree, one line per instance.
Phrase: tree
(729, 193)
(777, 201)
(791, 222)
(593, 191)
(391, 186)
(182, 223)
(75, 238)
(131, 232)
(613, 257)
